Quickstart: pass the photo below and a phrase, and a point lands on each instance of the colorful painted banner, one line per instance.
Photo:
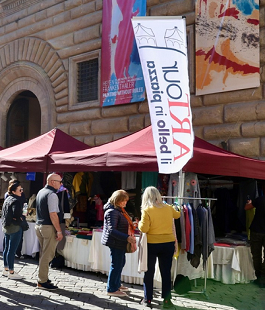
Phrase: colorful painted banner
(121, 73)
(162, 46)
(227, 45)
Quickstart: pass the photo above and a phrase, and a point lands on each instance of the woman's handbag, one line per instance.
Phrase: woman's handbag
(24, 224)
(131, 247)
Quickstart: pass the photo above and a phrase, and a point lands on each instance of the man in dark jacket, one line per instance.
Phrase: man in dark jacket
(257, 237)
(47, 227)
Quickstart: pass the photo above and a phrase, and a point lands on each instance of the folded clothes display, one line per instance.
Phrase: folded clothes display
(82, 236)
(229, 241)
(237, 236)
(81, 233)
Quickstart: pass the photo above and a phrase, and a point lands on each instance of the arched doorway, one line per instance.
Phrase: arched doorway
(23, 119)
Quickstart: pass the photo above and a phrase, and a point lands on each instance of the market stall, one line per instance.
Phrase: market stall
(133, 153)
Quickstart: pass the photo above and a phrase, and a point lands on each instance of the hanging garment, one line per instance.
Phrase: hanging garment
(182, 226)
(246, 187)
(249, 218)
(191, 249)
(192, 188)
(162, 184)
(99, 208)
(178, 227)
(195, 258)
(208, 236)
(187, 228)
(142, 254)
(149, 179)
(128, 180)
(63, 206)
(82, 183)
(211, 235)
(173, 187)
(203, 221)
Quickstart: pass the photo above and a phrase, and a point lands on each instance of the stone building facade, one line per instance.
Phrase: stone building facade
(41, 43)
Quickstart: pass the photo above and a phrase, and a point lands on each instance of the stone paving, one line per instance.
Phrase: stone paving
(87, 290)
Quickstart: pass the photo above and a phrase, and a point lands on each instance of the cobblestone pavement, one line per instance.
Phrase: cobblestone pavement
(87, 290)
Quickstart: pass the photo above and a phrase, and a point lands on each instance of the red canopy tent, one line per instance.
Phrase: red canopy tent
(136, 152)
(32, 155)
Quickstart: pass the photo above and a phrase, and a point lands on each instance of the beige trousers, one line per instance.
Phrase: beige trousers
(47, 239)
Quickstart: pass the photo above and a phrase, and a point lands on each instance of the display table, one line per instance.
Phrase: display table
(30, 244)
(226, 264)
(99, 260)
(182, 266)
(233, 264)
(76, 252)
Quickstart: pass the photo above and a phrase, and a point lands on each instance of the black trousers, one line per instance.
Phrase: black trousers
(164, 252)
(257, 243)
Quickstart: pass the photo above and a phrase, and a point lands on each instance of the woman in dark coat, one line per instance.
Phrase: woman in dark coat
(11, 223)
(115, 236)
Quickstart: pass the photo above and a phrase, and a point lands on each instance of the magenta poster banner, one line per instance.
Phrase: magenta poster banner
(121, 73)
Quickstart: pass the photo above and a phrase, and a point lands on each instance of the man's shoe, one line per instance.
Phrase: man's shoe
(46, 286)
(14, 276)
(117, 294)
(167, 304)
(124, 289)
(146, 303)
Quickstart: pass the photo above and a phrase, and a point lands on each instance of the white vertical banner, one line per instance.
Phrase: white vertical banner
(162, 46)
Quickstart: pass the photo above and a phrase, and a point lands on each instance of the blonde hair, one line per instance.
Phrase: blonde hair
(118, 196)
(151, 197)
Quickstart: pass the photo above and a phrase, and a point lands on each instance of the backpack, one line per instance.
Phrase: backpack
(182, 284)
(57, 262)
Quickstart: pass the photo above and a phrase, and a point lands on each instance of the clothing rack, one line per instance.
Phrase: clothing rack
(203, 291)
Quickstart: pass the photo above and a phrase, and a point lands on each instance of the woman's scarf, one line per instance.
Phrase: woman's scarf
(127, 216)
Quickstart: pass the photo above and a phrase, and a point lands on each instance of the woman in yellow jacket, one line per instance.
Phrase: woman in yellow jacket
(157, 223)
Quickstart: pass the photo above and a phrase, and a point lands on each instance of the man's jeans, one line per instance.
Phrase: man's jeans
(117, 264)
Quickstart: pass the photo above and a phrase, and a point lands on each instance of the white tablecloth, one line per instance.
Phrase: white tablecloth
(99, 259)
(30, 244)
(76, 252)
(233, 264)
(225, 264)
(183, 266)
(96, 257)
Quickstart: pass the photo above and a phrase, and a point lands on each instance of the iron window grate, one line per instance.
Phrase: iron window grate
(87, 80)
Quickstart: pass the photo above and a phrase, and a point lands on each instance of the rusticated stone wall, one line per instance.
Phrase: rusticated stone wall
(37, 39)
